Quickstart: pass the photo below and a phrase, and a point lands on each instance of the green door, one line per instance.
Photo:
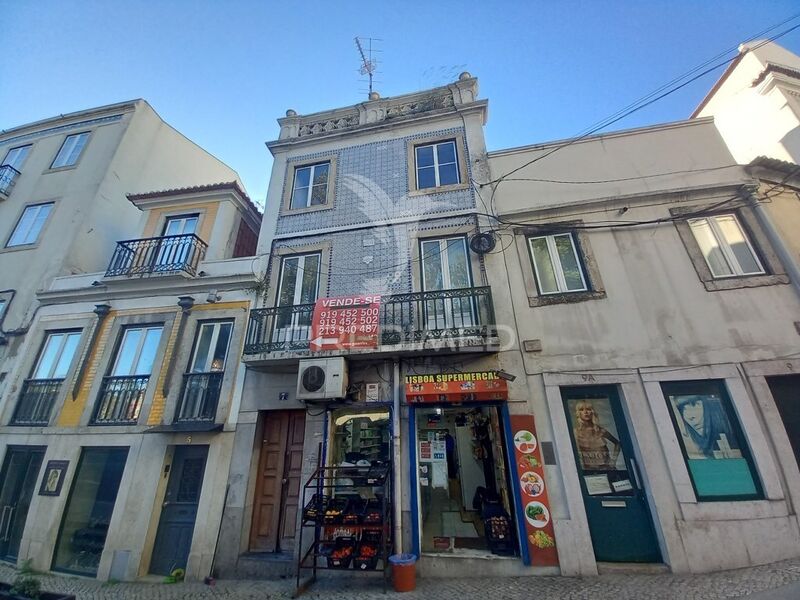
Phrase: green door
(616, 506)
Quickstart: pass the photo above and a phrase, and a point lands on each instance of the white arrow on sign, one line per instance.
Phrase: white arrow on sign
(323, 341)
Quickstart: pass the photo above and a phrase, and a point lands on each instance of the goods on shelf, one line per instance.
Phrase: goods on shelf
(366, 557)
(334, 510)
(341, 553)
(314, 511)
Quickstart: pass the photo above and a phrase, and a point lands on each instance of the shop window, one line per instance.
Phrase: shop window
(360, 436)
(89, 508)
(463, 481)
(711, 439)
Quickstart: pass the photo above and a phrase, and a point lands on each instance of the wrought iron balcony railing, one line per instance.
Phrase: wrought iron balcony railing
(199, 397)
(8, 177)
(404, 318)
(165, 254)
(120, 400)
(36, 402)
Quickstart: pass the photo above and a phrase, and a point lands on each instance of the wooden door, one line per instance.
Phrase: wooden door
(278, 485)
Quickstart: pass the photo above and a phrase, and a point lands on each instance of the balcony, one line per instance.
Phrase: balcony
(120, 400)
(8, 177)
(199, 397)
(418, 320)
(36, 402)
(158, 255)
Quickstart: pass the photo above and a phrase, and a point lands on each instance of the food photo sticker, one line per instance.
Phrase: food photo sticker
(537, 514)
(532, 484)
(525, 441)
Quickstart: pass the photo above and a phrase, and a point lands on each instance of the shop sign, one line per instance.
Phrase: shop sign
(455, 387)
(345, 323)
(534, 505)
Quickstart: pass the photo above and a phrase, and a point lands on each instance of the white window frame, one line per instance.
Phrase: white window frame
(17, 162)
(216, 326)
(310, 191)
(725, 248)
(64, 157)
(558, 270)
(298, 283)
(435, 146)
(138, 352)
(38, 208)
(59, 352)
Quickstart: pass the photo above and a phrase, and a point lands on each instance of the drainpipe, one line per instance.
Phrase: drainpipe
(101, 310)
(397, 482)
(775, 239)
(186, 303)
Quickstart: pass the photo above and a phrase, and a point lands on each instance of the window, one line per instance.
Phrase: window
(556, 264)
(40, 391)
(445, 266)
(299, 284)
(310, 187)
(725, 246)
(84, 527)
(16, 157)
(70, 150)
(137, 351)
(2, 307)
(713, 446)
(56, 356)
(30, 224)
(211, 347)
(123, 390)
(436, 165)
(203, 381)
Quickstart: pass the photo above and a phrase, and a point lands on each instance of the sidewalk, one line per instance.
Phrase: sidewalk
(764, 582)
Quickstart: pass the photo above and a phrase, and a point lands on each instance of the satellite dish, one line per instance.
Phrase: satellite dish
(482, 243)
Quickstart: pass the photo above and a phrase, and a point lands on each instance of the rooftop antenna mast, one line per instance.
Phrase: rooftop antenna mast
(369, 65)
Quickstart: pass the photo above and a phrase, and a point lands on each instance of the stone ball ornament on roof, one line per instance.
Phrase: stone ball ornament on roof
(374, 96)
(291, 113)
(464, 76)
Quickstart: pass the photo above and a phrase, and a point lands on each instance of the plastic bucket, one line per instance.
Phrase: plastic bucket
(404, 572)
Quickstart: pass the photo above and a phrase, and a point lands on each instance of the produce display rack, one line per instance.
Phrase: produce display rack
(342, 489)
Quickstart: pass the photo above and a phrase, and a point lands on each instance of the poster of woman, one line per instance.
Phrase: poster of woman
(704, 427)
(596, 435)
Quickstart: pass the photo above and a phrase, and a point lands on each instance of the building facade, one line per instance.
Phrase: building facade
(375, 200)
(118, 420)
(63, 183)
(657, 329)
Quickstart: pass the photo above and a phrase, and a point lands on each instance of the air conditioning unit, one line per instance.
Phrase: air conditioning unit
(322, 379)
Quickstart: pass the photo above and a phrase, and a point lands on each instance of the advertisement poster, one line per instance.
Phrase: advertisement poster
(455, 387)
(345, 323)
(539, 534)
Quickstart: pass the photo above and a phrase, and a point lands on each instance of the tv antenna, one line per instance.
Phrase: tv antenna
(369, 65)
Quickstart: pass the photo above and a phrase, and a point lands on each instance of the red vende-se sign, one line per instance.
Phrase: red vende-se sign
(346, 322)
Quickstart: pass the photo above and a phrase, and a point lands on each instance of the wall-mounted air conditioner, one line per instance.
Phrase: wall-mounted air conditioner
(322, 379)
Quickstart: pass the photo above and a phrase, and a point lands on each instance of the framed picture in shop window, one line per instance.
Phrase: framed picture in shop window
(53, 479)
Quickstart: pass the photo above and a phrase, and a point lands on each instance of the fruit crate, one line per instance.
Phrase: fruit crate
(372, 513)
(314, 511)
(335, 510)
(341, 553)
(500, 535)
(354, 511)
(366, 557)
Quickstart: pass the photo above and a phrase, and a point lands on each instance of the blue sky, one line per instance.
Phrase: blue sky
(222, 72)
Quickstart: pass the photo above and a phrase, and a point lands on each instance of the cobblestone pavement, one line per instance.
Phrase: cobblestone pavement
(730, 584)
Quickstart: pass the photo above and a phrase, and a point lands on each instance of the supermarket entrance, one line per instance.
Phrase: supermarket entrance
(465, 503)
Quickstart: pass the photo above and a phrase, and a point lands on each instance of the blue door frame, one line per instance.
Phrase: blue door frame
(512, 465)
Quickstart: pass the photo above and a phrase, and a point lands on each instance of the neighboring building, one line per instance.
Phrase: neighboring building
(62, 198)
(654, 315)
(756, 103)
(117, 422)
